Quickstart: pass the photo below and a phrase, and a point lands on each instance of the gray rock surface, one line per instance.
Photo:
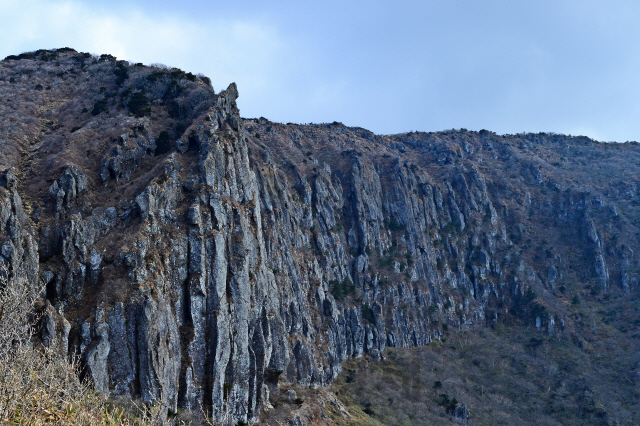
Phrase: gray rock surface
(223, 277)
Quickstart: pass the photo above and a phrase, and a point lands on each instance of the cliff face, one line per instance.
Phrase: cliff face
(201, 265)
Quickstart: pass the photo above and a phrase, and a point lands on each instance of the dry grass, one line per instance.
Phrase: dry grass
(38, 387)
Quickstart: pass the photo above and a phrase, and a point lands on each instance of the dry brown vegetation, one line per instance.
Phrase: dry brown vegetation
(63, 107)
(505, 376)
(37, 386)
(540, 184)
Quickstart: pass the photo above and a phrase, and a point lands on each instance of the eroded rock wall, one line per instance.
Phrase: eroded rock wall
(226, 275)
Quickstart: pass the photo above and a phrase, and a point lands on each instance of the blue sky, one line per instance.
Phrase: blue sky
(562, 66)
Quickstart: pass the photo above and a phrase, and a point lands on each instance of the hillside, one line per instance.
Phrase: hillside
(201, 261)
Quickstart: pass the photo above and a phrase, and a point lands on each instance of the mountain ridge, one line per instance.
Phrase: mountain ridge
(198, 259)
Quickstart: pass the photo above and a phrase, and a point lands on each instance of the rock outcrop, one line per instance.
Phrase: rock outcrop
(256, 253)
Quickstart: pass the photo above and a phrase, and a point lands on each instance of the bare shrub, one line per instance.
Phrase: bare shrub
(40, 387)
(36, 385)
(160, 66)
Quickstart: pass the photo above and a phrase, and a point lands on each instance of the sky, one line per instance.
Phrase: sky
(561, 66)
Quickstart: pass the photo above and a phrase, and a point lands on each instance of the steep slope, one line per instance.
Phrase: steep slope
(197, 259)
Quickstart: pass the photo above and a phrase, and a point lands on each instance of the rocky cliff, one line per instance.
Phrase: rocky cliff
(196, 259)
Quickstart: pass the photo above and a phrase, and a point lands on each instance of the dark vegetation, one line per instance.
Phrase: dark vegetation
(139, 104)
(340, 290)
(163, 142)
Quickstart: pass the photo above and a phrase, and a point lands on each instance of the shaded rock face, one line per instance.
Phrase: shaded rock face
(236, 267)
(126, 156)
(19, 252)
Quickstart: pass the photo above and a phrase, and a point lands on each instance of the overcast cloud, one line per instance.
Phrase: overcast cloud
(562, 66)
